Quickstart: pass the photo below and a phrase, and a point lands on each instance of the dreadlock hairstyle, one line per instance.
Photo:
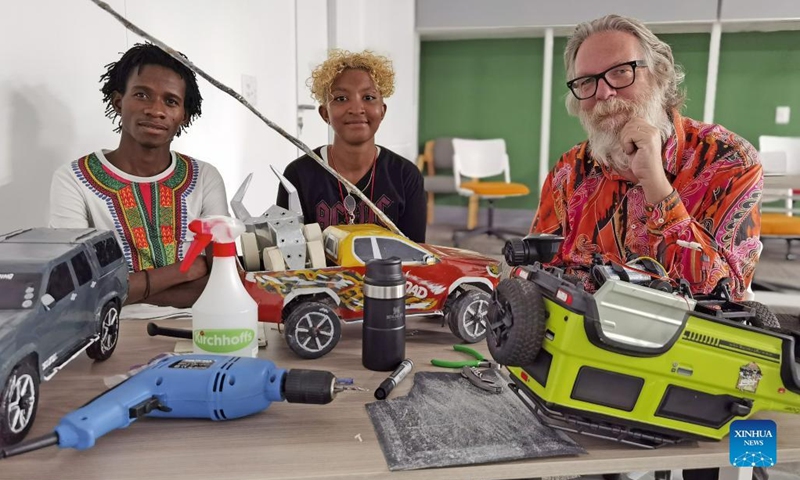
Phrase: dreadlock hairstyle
(117, 74)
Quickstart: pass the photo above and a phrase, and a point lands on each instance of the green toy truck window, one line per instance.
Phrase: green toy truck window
(60, 284)
(107, 251)
(83, 271)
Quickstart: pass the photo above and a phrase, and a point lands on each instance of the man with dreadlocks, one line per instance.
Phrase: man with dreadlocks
(143, 191)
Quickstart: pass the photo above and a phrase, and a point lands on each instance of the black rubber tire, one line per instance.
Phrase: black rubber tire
(764, 317)
(517, 322)
(468, 316)
(661, 285)
(17, 396)
(312, 329)
(108, 328)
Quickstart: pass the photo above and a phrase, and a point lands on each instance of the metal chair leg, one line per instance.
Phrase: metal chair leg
(489, 229)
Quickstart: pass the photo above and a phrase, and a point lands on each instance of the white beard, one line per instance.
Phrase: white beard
(604, 123)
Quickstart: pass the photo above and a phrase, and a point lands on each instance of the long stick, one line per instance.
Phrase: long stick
(302, 146)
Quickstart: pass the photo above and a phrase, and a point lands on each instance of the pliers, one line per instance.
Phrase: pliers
(479, 360)
(469, 369)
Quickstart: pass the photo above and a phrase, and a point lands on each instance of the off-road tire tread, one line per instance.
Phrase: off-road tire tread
(525, 337)
(454, 314)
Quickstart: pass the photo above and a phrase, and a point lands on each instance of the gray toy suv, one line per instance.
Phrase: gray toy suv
(60, 294)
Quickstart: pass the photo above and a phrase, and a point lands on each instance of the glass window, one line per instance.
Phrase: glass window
(391, 247)
(60, 284)
(107, 251)
(83, 271)
(363, 249)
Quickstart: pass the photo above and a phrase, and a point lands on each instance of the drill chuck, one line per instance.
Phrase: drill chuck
(309, 386)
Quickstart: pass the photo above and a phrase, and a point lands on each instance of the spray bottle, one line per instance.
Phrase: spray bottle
(225, 317)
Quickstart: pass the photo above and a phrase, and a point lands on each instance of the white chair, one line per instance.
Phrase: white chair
(483, 159)
(774, 162)
(788, 145)
(781, 156)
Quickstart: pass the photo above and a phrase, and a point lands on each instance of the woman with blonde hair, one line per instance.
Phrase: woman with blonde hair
(350, 88)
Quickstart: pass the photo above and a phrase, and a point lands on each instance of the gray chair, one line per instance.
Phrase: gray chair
(437, 156)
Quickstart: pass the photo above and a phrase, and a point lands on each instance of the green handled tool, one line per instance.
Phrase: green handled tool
(478, 361)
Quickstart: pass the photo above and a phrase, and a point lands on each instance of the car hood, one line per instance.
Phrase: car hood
(459, 255)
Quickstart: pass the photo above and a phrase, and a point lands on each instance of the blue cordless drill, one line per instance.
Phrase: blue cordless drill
(186, 386)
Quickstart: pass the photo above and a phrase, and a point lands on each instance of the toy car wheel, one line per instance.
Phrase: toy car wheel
(764, 318)
(108, 331)
(19, 402)
(312, 329)
(517, 321)
(468, 316)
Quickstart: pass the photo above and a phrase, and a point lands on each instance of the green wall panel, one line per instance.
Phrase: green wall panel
(492, 88)
(758, 71)
(565, 130)
(485, 89)
(691, 51)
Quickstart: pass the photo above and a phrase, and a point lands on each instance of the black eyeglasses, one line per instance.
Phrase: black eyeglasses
(617, 77)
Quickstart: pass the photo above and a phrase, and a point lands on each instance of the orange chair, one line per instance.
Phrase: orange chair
(480, 159)
(779, 225)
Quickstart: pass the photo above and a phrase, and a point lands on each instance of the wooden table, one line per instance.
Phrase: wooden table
(291, 441)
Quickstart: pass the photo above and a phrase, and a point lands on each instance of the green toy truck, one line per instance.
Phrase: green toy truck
(637, 361)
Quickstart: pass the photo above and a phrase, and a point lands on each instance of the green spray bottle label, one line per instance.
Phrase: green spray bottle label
(222, 340)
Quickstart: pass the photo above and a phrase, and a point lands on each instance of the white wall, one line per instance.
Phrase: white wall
(387, 27)
(50, 105)
(761, 10)
(54, 52)
(312, 36)
(443, 15)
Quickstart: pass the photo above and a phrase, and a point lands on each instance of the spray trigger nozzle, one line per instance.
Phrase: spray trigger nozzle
(219, 229)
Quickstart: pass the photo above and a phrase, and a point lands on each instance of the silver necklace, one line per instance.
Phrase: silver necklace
(349, 201)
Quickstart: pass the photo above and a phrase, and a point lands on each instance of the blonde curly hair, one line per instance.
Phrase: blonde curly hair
(379, 69)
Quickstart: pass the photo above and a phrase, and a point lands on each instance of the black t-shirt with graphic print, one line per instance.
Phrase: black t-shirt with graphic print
(398, 192)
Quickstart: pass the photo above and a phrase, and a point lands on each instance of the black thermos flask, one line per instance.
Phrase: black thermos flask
(383, 344)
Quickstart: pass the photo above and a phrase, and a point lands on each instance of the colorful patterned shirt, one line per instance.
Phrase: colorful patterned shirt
(150, 215)
(714, 209)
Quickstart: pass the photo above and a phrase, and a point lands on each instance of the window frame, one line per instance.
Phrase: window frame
(82, 254)
(66, 264)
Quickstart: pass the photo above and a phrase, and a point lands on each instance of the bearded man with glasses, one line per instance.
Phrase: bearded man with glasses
(648, 181)
(648, 178)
